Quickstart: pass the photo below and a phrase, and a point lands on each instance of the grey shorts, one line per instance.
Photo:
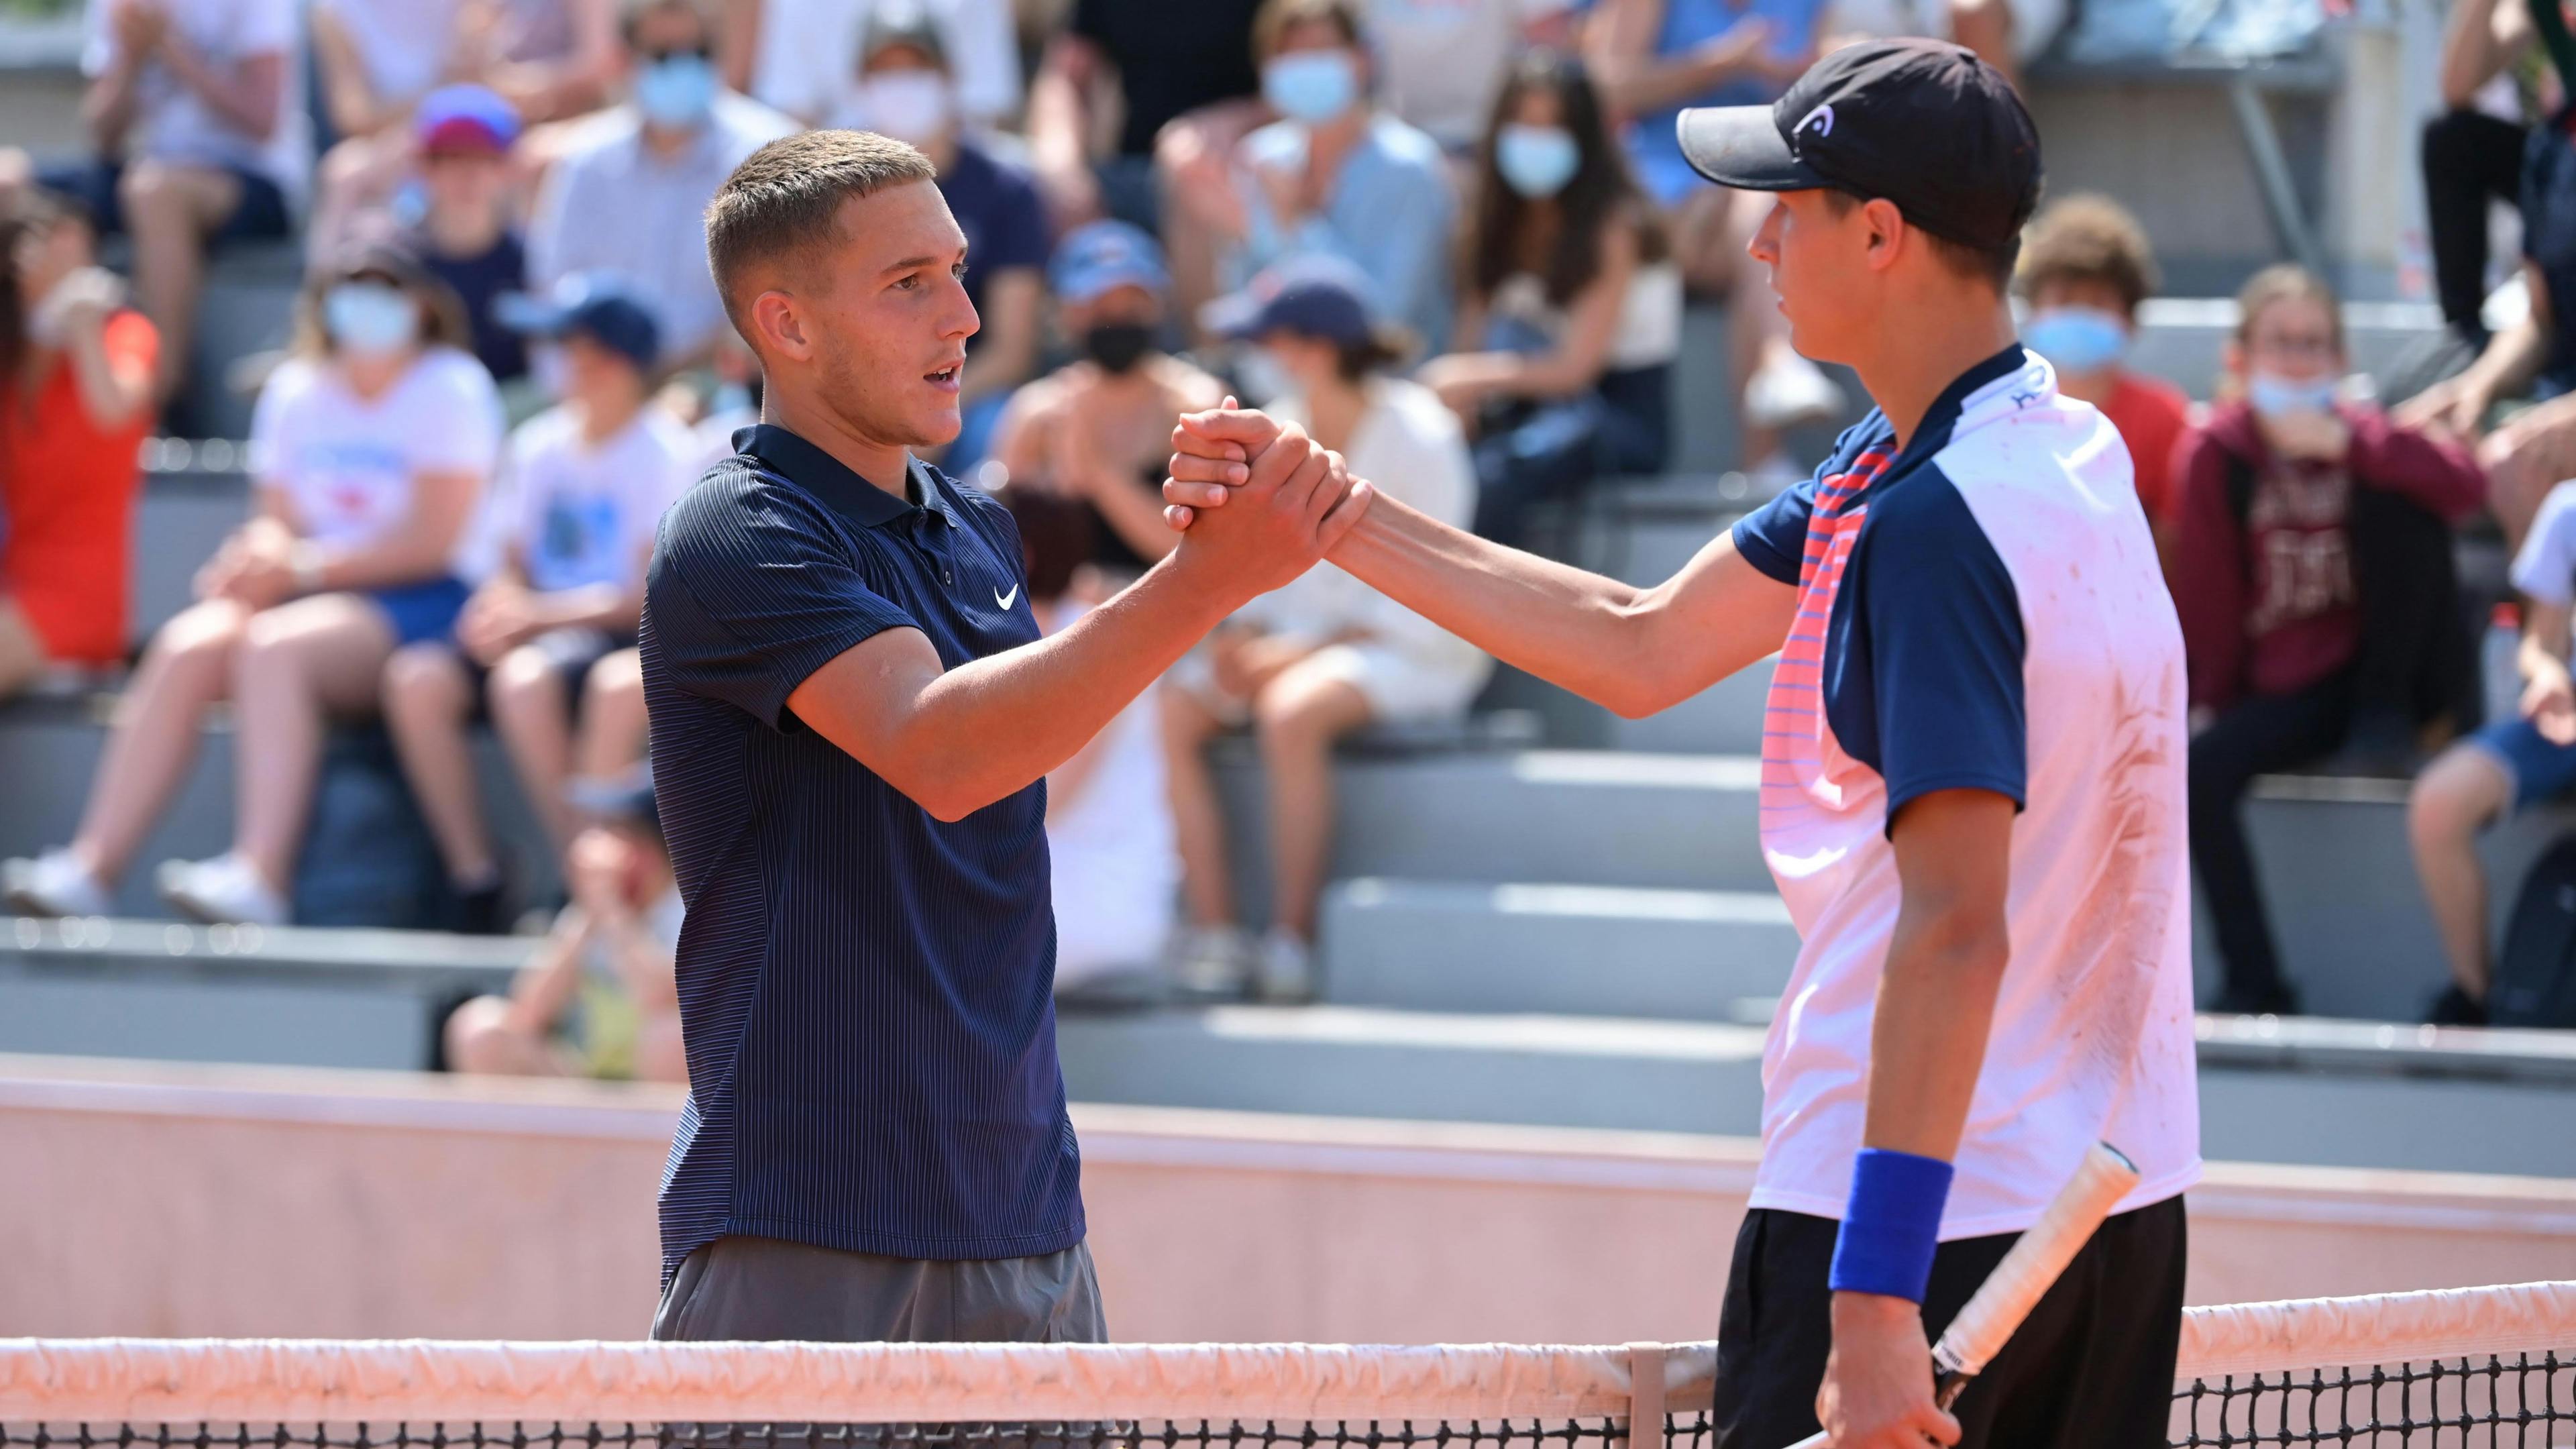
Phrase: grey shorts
(744, 1288)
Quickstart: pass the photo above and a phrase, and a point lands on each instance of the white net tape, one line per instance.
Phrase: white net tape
(193, 1380)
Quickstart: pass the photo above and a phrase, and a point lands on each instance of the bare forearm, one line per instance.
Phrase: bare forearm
(107, 109)
(988, 729)
(1565, 625)
(544, 987)
(2513, 358)
(597, 606)
(1936, 1003)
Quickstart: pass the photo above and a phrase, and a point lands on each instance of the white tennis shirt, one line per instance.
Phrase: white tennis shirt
(1983, 610)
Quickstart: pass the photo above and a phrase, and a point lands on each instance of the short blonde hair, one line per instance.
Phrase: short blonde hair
(785, 198)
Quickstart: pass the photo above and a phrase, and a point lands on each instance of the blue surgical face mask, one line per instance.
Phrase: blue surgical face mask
(676, 92)
(370, 319)
(2077, 339)
(1536, 161)
(1312, 86)
(2276, 396)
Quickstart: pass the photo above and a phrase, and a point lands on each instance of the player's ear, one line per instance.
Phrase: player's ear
(780, 324)
(1885, 232)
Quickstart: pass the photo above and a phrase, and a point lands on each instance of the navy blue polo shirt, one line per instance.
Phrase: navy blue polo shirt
(866, 992)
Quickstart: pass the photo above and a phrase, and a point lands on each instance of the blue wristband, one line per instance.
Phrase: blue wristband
(1892, 1225)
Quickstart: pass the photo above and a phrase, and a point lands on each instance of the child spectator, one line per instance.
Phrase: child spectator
(1335, 174)
(2085, 267)
(369, 448)
(1571, 295)
(195, 113)
(793, 55)
(1326, 655)
(583, 487)
(1655, 57)
(598, 997)
(78, 367)
(2507, 767)
(1109, 814)
(2312, 570)
(1100, 429)
(905, 91)
(464, 235)
(629, 198)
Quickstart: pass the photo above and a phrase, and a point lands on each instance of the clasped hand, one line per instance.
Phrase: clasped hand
(1257, 496)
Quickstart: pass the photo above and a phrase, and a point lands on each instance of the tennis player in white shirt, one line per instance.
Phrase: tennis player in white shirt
(1972, 785)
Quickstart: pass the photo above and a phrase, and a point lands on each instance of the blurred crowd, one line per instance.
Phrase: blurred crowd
(1454, 238)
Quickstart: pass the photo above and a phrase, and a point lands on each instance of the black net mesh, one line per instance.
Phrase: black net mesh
(2515, 1399)
(1684, 1431)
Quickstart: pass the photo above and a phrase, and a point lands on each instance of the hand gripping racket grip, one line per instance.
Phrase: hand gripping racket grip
(2023, 1277)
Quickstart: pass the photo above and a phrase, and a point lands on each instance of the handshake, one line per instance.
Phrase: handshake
(1257, 502)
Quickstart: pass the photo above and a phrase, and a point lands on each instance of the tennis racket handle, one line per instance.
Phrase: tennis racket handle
(1945, 1392)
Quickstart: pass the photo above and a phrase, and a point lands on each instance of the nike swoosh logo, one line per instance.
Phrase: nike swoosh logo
(1006, 600)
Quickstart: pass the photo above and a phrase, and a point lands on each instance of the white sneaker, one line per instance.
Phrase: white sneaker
(53, 884)
(226, 890)
(1213, 962)
(1286, 968)
(1789, 390)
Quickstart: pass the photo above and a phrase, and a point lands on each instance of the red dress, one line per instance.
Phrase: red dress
(67, 491)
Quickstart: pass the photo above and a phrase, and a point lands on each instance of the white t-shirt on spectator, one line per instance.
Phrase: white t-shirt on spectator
(1117, 864)
(404, 45)
(613, 206)
(346, 464)
(1408, 444)
(584, 513)
(1441, 62)
(172, 124)
(2545, 569)
(808, 54)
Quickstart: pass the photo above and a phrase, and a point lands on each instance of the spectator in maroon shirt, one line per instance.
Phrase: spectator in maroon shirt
(2312, 571)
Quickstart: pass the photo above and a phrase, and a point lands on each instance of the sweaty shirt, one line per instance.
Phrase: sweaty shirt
(1982, 610)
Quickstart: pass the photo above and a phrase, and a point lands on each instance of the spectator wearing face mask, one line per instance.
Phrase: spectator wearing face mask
(1308, 664)
(1334, 175)
(582, 487)
(905, 90)
(2085, 267)
(369, 450)
(2312, 571)
(629, 198)
(1100, 429)
(77, 363)
(1572, 302)
(790, 54)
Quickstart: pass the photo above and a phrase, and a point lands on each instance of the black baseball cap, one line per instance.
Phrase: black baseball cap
(592, 305)
(1921, 123)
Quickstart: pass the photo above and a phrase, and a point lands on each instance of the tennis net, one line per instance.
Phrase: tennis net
(2469, 1367)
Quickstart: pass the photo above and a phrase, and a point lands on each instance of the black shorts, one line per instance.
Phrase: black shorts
(2092, 1368)
(259, 215)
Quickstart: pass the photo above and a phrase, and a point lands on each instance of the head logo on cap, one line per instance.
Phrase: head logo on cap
(1820, 120)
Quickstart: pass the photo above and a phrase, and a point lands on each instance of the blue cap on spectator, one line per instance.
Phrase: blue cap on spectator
(1103, 256)
(465, 118)
(1322, 297)
(592, 305)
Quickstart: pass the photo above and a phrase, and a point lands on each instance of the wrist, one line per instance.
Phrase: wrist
(1892, 1225)
(1851, 1306)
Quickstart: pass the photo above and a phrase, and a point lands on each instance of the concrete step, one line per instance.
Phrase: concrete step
(1576, 817)
(1670, 955)
(1704, 1077)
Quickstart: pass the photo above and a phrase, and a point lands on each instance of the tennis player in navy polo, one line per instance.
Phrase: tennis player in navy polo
(1972, 786)
(853, 717)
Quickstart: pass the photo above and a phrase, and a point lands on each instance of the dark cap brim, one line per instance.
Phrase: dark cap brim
(1741, 146)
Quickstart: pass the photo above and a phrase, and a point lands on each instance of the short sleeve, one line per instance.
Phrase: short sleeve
(1935, 644)
(2545, 568)
(272, 418)
(459, 426)
(98, 39)
(1773, 537)
(267, 25)
(749, 594)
